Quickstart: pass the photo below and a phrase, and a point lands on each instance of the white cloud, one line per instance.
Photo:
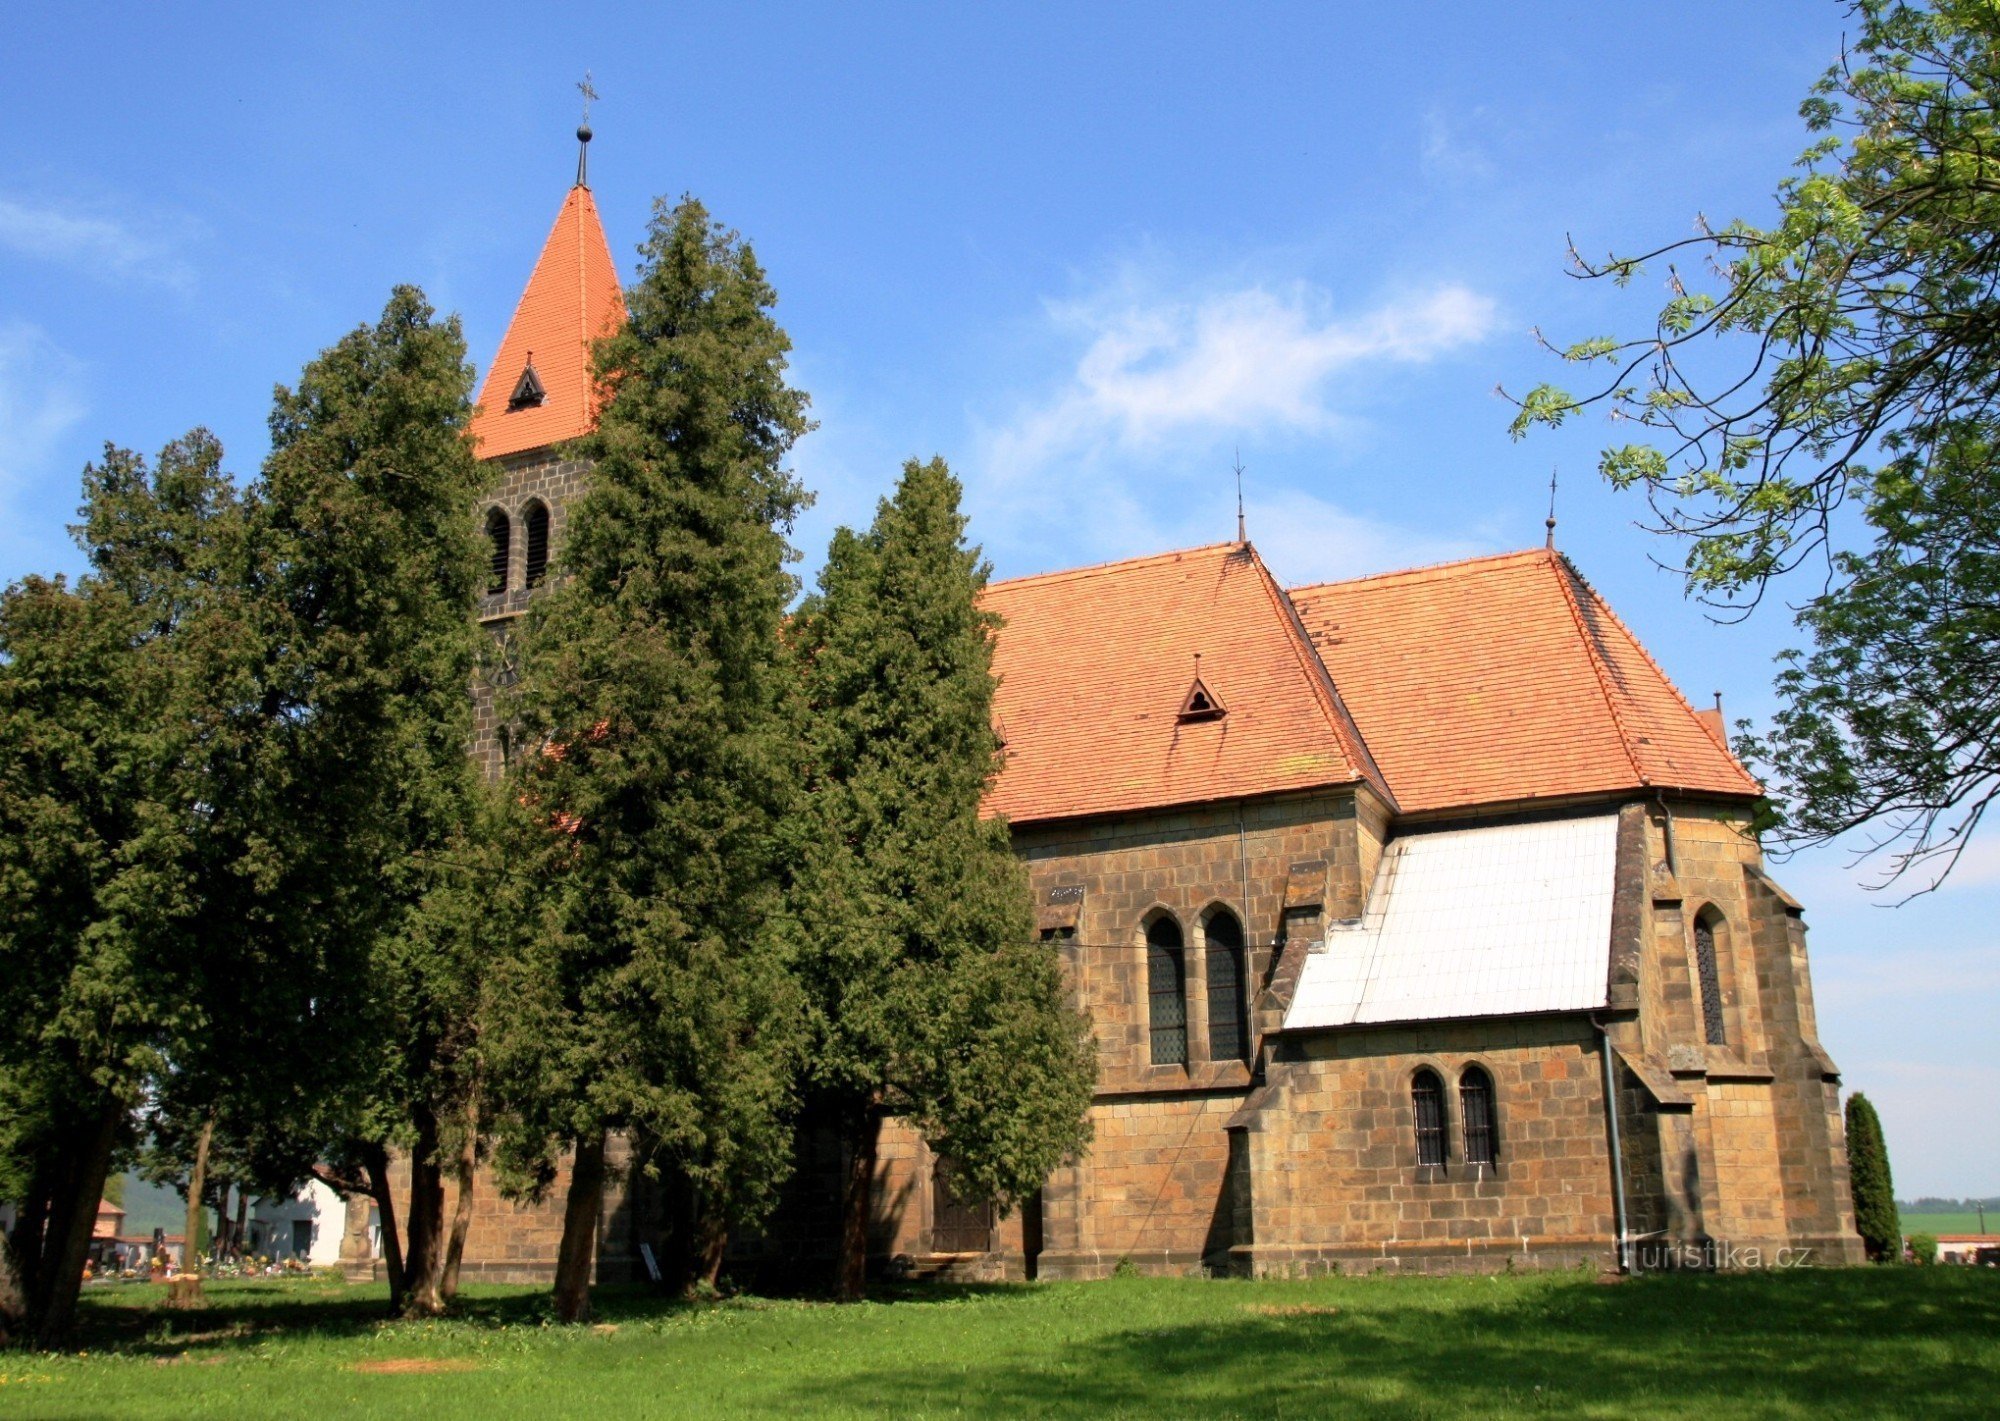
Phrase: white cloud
(99, 244)
(1240, 361)
(41, 397)
(1128, 448)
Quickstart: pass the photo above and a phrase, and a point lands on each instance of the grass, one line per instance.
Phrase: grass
(1864, 1342)
(1948, 1223)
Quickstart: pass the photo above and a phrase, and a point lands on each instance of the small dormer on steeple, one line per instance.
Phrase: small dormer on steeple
(528, 390)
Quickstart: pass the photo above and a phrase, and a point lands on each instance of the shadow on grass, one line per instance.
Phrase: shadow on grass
(1850, 1342)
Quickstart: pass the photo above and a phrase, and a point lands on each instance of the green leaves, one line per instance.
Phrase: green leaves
(1847, 354)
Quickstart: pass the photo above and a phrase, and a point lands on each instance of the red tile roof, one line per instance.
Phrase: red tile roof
(1505, 679)
(571, 300)
(1095, 665)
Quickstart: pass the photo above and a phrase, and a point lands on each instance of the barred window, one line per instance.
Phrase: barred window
(500, 539)
(1475, 1105)
(957, 1225)
(537, 520)
(1427, 1095)
(1166, 992)
(1711, 979)
(1228, 1033)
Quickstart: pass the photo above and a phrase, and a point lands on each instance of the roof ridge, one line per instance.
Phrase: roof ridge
(1326, 695)
(1118, 564)
(1560, 567)
(1425, 570)
(1680, 696)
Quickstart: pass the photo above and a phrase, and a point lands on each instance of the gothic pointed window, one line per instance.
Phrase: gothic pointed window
(500, 548)
(1427, 1099)
(1166, 993)
(528, 391)
(536, 522)
(1710, 974)
(1228, 1034)
(1475, 1108)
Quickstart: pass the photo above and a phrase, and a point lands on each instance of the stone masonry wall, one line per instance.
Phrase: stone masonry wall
(1332, 1153)
(521, 479)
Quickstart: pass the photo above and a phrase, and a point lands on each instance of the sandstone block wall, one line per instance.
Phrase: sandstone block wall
(1332, 1159)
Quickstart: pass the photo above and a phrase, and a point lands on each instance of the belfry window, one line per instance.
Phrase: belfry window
(1475, 1108)
(536, 520)
(1228, 1034)
(1713, 1029)
(500, 543)
(1166, 993)
(1427, 1096)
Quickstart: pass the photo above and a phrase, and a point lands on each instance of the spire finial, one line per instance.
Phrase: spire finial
(1241, 536)
(589, 93)
(1552, 510)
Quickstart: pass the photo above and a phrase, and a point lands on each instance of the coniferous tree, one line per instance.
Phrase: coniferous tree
(929, 996)
(230, 750)
(647, 992)
(121, 723)
(366, 539)
(1868, 1175)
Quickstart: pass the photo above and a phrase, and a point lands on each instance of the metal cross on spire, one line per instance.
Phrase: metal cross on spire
(1551, 542)
(589, 92)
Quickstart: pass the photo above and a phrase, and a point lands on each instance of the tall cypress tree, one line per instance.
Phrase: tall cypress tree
(1874, 1192)
(374, 567)
(930, 998)
(122, 713)
(647, 993)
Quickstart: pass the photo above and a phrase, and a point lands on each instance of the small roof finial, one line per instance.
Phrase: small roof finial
(1242, 537)
(589, 93)
(1551, 542)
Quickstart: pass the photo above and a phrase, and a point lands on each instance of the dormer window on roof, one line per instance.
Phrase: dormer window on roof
(1200, 703)
(528, 391)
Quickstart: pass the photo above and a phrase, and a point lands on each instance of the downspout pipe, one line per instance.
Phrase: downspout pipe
(1617, 1153)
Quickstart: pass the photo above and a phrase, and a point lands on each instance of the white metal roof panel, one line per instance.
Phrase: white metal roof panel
(1472, 922)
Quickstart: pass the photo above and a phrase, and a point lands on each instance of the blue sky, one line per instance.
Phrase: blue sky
(1088, 253)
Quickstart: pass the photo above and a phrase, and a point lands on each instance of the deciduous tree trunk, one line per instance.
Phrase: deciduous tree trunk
(424, 1297)
(52, 1305)
(375, 1158)
(461, 1217)
(576, 1258)
(856, 1195)
(188, 1295)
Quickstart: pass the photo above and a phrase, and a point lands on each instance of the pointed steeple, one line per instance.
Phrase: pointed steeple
(572, 299)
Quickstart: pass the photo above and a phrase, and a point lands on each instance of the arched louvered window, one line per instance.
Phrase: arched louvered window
(1166, 993)
(1475, 1108)
(1427, 1096)
(1228, 1033)
(536, 523)
(500, 542)
(1711, 978)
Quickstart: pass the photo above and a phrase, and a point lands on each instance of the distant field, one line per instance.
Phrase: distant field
(1948, 1223)
(1863, 1342)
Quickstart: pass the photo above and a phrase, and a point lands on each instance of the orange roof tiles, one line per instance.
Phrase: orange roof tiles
(1506, 679)
(1095, 665)
(572, 299)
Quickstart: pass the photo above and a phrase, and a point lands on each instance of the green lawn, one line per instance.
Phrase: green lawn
(1948, 1223)
(1865, 1342)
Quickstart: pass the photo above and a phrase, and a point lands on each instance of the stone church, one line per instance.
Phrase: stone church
(1419, 916)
